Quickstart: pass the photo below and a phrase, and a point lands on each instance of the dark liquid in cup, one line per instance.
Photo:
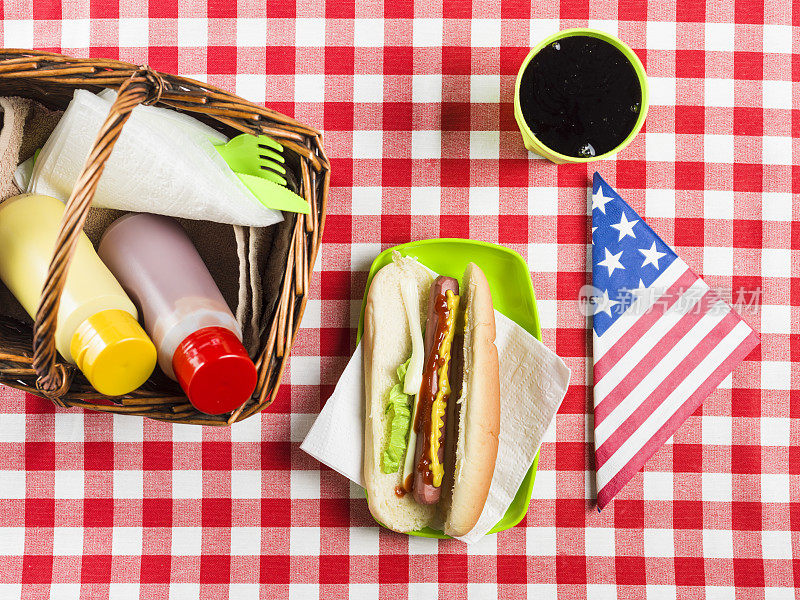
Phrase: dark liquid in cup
(580, 96)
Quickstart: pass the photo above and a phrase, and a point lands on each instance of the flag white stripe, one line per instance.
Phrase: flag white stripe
(655, 377)
(650, 338)
(672, 403)
(638, 307)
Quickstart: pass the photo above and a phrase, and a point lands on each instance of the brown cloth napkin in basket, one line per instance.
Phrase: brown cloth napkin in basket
(14, 113)
(262, 261)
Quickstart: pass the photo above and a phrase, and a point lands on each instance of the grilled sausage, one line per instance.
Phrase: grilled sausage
(424, 491)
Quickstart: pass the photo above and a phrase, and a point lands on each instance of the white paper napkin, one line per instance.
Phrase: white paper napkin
(533, 381)
(160, 165)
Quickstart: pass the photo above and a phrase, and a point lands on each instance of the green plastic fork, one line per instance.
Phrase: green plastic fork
(259, 163)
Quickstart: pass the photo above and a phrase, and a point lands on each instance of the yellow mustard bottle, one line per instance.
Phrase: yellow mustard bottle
(97, 327)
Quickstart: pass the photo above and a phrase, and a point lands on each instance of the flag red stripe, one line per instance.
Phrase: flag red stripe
(625, 474)
(668, 384)
(640, 327)
(652, 358)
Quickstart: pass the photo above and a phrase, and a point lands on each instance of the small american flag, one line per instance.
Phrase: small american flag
(663, 340)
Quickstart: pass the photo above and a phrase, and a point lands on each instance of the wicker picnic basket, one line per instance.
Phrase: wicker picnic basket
(28, 359)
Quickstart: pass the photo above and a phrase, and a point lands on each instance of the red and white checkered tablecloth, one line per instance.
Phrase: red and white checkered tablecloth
(415, 99)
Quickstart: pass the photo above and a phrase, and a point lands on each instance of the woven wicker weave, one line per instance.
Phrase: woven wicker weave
(28, 359)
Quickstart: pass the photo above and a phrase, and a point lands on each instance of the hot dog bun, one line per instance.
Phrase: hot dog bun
(475, 411)
(386, 345)
(479, 415)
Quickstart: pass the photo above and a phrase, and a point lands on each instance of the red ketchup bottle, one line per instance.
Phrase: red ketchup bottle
(197, 337)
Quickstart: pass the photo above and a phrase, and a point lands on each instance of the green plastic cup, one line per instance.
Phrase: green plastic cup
(533, 144)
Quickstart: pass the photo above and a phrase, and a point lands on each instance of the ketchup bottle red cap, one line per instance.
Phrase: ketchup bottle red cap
(214, 370)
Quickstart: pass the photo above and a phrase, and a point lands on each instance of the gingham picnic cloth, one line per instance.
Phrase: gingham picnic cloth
(415, 99)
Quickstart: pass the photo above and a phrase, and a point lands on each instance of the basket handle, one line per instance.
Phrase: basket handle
(53, 380)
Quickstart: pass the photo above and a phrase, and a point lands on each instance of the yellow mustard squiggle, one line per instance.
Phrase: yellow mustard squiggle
(439, 405)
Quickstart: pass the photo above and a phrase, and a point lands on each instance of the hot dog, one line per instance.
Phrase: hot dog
(437, 335)
(431, 423)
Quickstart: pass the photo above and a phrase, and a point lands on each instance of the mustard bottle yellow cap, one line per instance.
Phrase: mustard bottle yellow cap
(113, 351)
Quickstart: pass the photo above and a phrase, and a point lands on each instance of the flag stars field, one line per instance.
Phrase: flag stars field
(626, 252)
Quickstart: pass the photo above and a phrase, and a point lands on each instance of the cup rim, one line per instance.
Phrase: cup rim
(632, 58)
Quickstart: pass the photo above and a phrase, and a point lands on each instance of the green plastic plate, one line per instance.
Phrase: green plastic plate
(512, 294)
